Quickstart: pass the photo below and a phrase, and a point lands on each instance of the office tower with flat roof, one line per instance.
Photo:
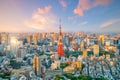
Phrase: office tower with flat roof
(36, 64)
(96, 49)
(101, 40)
(35, 39)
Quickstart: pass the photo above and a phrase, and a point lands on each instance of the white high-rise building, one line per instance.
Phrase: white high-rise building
(4, 38)
(96, 50)
(21, 52)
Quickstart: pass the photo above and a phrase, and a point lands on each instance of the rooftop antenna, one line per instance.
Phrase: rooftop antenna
(60, 25)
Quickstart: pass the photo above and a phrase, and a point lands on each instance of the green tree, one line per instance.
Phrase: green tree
(74, 78)
(58, 77)
(85, 78)
(102, 78)
(68, 75)
(63, 65)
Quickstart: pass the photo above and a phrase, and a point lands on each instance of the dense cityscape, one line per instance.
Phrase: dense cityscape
(59, 40)
(59, 56)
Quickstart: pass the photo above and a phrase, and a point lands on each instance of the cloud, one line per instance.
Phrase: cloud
(14, 28)
(101, 2)
(84, 5)
(84, 23)
(42, 20)
(4, 28)
(63, 3)
(44, 11)
(72, 17)
(78, 11)
(109, 23)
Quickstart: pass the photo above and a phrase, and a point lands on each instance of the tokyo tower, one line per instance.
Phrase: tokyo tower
(60, 44)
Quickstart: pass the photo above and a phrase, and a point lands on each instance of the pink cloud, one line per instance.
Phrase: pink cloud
(84, 5)
(63, 3)
(108, 23)
(78, 11)
(101, 2)
(13, 28)
(42, 20)
(45, 10)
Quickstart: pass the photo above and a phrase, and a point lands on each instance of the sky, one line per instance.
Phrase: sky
(44, 15)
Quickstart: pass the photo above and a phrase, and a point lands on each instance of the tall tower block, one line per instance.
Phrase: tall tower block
(36, 64)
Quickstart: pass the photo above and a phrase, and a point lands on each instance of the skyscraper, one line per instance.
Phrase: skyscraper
(96, 49)
(101, 39)
(36, 64)
(85, 53)
(21, 52)
(29, 39)
(118, 48)
(39, 36)
(60, 44)
(35, 39)
(82, 45)
(4, 38)
(66, 40)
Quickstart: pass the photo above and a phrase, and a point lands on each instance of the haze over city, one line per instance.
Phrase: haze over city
(44, 15)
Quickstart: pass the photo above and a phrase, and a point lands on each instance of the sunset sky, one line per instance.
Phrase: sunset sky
(44, 15)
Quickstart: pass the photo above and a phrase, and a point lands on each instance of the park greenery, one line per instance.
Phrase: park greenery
(15, 65)
(102, 52)
(6, 75)
(63, 65)
(80, 77)
(58, 77)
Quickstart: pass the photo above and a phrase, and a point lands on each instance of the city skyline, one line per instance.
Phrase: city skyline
(43, 16)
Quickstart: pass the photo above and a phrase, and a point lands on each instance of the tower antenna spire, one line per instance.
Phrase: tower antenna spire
(60, 24)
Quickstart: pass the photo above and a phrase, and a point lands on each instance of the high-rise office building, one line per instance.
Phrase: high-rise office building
(88, 41)
(119, 41)
(101, 40)
(118, 49)
(29, 39)
(21, 52)
(35, 39)
(82, 45)
(43, 35)
(85, 53)
(36, 64)
(39, 36)
(115, 42)
(53, 38)
(0, 39)
(96, 49)
(66, 41)
(4, 38)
